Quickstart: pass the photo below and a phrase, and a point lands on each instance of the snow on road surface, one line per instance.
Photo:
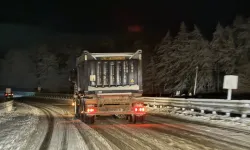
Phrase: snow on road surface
(59, 133)
(16, 126)
(51, 125)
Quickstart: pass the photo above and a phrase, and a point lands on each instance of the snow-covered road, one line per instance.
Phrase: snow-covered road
(48, 124)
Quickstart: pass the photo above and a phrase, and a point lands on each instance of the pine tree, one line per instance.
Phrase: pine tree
(195, 46)
(218, 41)
(162, 53)
(180, 59)
(224, 48)
(228, 54)
(238, 29)
(43, 60)
(243, 48)
(217, 44)
(150, 77)
(205, 62)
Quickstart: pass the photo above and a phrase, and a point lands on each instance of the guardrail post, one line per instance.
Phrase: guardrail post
(154, 103)
(228, 114)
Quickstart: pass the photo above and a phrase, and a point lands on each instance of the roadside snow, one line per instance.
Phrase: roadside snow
(236, 122)
(16, 126)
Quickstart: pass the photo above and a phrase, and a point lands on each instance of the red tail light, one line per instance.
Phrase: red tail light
(91, 110)
(139, 109)
(7, 94)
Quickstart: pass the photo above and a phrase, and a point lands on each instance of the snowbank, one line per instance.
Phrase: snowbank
(17, 126)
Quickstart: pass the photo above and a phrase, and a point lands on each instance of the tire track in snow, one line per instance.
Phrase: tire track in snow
(93, 140)
(158, 139)
(64, 141)
(46, 143)
(221, 140)
(48, 136)
(78, 127)
(122, 139)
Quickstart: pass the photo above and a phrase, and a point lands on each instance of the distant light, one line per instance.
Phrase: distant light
(135, 28)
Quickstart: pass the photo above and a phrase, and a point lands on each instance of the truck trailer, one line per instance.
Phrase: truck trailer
(108, 84)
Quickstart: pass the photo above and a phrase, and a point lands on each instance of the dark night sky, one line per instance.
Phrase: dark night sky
(40, 17)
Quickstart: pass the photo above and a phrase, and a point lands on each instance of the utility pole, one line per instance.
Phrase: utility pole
(195, 80)
(218, 78)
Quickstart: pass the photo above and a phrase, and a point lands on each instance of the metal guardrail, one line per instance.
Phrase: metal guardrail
(19, 94)
(54, 96)
(214, 105)
(241, 107)
(6, 106)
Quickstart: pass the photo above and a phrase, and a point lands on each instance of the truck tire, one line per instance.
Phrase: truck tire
(92, 120)
(78, 113)
(127, 117)
(82, 117)
(134, 119)
(141, 118)
(88, 119)
(131, 118)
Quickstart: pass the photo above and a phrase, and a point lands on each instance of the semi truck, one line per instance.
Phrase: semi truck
(8, 94)
(108, 84)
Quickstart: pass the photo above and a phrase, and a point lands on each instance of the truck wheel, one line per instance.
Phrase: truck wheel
(82, 117)
(89, 119)
(142, 118)
(131, 118)
(92, 119)
(85, 118)
(127, 117)
(78, 113)
(134, 119)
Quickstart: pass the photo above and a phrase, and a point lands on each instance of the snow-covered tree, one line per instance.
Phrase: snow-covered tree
(218, 41)
(150, 77)
(204, 60)
(228, 54)
(180, 59)
(224, 48)
(238, 28)
(244, 77)
(242, 34)
(161, 50)
(217, 44)
(43, 60)
(163, 53)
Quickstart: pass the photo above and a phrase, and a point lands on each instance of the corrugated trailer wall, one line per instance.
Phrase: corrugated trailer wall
(113, 73)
